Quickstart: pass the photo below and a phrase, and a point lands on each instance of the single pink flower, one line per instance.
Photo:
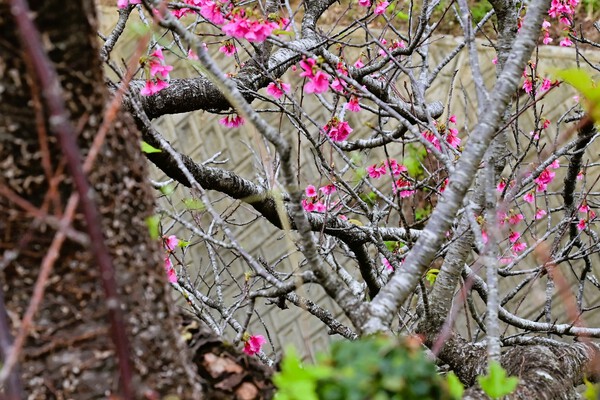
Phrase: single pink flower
(278, 89)
(566, 42)
(126, 3)
(364, 3)
(514, 219)
(310, 191)
(191, 55)
(528, 85)
(582, 224)
(529, 197)
(228, 48)
(432, 139)
(308, 66)
(547, 39)
(484, 237)
(452, 119)
(514, 236)
(317, 84)
(338, 85)
(359, 63)
(495, 60)
(584, 208)
(519, 247)
(546, 85)
(544, 179)
(212, 12)
(555, 164)
(540, 213)
(452, 138)
(171, 242)
(381, 6)
(353, 105)
(328, 189)
(580, 175)
(253, 344)
(320, 207)
(308, 205)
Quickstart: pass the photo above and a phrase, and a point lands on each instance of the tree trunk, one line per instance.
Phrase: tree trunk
(68, 352)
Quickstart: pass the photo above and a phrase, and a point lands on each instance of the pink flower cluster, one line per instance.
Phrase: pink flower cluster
(337, 130)
(254, 344)
(563, 11)
(396, 44)
(590, 215)
(318, 81)
(544, 179)
(449, 134)
(253, 30)
(157, 73)
(318, 200)
(376, 171)
(170, 243)
(402, 188)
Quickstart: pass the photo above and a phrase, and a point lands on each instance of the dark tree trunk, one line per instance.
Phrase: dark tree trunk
(69, 352)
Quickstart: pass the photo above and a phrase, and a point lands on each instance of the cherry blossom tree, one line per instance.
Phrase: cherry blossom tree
(419, 216)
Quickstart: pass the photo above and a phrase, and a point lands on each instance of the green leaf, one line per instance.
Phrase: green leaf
(194, 204)
(146, 148)
(183, 244)
(152, 224)
(295, 382)
(402, 16)
(391, 246)
(496, 384)
(431, 275)
(167, 189)
(583, 82)
(283, 32)
(591, 390)
(455, 386)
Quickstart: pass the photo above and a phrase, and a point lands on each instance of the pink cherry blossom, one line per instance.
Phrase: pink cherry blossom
(432, 139)
(278, 89)
(547, 39)
(228, 48)
(515, 218)
(495, 60)
(376, 171)
(544, 179)
(364, 3)
(519, 247)
(513, 237)
(353, 105)
(338, 85)
(484, 237)
(153, 86)
(308, 205)
(394, 166)
(529, 197)
(580, 175)
(337, 130)
(582, 224)
(452, 119)
(253, 344)
(452, 138)
(555, 164)
(317, 84)
(157, 68)
(381, 6)
(310, 191)
(359, 63)
(232, 121)
(566, 42)
(546, 85)
(171, 274)
(540, 213)
(308, 67)
(212, 12)
(320, 207)
(171, 242)
(328, 189)
(400, 184)
(191, 55)
(584, 208)
(528, 85)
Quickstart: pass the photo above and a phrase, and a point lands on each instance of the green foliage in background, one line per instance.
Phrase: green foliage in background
(374, 368)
